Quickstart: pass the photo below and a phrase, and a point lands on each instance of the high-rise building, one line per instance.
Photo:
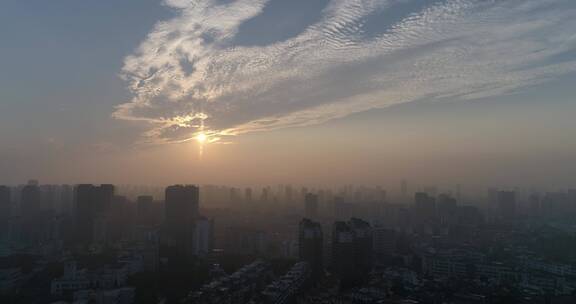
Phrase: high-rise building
(148, 238)
(30, 201)
(5, 211)
(181, 211)
(363, 246)
(203, 236)
(122, 218)
(311, 206)
(67, 200)
(343, 262)
(311, 244)
(5, 202)
(446, 208)
(182, 202)
(92, 206)
(31, 212)
(49, 197)
(384, 241)
(352, 251)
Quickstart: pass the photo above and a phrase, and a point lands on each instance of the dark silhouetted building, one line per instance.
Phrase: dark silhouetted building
(31, 212)
(352, 251)
(5, 201)
(363, 247)
(446, 207)
(149, 242)
(203, 236)
(384, 243)
(5, 211)
(343, 264)
(311, 244)
(122, 218)
(92, 206)
(181, 211)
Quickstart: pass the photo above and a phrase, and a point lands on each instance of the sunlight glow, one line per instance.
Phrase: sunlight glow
(201, 138)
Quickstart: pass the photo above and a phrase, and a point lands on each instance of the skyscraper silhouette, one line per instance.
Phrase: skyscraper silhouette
(5, 201)
(5, 211)
(182, 203)
(30, 209)
(363, 247)
(343, 264)
(311, 246)
(352, 250)
(91, 213)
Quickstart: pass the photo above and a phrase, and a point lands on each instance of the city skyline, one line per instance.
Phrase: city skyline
(285, 244)
(288, 152)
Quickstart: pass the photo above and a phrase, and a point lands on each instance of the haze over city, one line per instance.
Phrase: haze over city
(288, 152)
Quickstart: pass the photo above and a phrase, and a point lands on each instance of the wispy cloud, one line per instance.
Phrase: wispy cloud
(188, 74)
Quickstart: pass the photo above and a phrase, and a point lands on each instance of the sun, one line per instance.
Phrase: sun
(201, 138)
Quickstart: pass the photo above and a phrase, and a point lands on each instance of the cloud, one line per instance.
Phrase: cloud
(188, 75)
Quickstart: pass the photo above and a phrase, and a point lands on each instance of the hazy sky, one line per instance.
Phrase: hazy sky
(288, 91)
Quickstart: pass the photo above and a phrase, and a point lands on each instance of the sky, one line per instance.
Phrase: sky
(301, 91)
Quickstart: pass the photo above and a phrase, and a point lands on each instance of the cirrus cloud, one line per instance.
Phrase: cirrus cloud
(189, 75)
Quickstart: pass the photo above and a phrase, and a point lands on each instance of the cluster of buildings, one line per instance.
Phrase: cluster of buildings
(255, 283)
(350, 245)
(239, 287)
(287, 288)
(54, 225)
(45, 219)
(408, 252)
(102, 277)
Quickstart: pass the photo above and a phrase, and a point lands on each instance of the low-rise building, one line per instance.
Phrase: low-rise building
(236, 288)
(113, 296)
(10, 279)
(287, 287)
